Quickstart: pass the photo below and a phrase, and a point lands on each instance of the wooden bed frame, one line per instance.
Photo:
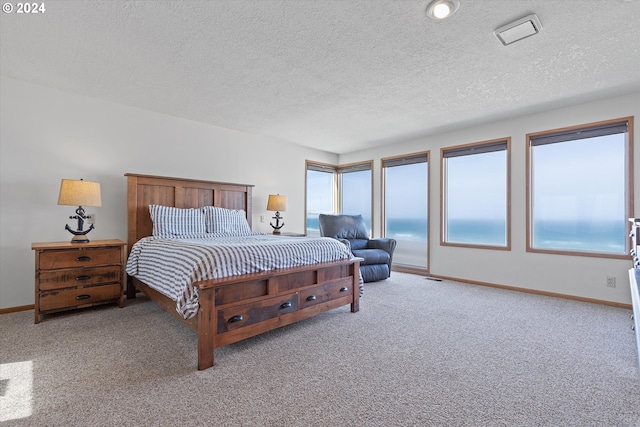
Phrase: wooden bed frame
(234, 308)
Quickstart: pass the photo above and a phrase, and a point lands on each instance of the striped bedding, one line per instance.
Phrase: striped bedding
(171, 266)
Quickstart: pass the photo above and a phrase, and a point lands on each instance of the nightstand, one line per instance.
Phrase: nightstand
(291, 234)
(76, 275)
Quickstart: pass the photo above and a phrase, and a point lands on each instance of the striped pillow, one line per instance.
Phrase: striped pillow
(230, 222)
(170, 222)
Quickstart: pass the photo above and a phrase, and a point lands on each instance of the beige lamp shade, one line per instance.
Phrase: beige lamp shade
(277, 203)
(75, 192)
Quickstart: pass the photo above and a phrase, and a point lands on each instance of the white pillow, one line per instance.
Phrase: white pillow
(232, 222)
(171, 222)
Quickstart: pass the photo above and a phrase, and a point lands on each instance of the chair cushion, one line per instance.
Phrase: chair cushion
(372, 256)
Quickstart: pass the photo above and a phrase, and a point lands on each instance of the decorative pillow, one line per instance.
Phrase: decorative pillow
(232, 222)
(170, 222)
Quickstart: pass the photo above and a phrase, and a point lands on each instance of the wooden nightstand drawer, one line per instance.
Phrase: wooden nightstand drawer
(73, 275)
(50, 260)
(59, 279)
(76, 297)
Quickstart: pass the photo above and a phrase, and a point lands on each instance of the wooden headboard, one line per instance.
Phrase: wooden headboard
(145, 190)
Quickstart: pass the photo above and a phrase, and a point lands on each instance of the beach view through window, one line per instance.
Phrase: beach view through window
(406, 212)
(579, 195)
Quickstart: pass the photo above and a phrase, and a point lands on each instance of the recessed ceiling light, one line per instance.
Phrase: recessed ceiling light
(440, 9)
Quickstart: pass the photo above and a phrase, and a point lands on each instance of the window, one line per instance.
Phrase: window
(356, 190)
(321, 194)
(338, 189)
(475, 188)
(406, 195)
(579, 182)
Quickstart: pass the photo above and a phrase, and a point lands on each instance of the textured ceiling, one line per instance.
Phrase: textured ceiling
(339, 75)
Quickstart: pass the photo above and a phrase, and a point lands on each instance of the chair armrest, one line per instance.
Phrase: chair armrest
(383, 243)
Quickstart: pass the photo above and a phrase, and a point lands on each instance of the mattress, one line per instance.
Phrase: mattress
(172, 266)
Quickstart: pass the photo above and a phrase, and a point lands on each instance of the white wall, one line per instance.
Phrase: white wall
(47, 135)
(569, 275)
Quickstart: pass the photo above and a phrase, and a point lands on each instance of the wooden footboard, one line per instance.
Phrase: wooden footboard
(237, 308)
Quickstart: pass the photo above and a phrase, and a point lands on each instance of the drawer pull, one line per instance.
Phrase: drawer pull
(311, 298)
(83, 277)
(344, 289)
(83, 258)
(235, 319)
(285, 305)
(83, 296)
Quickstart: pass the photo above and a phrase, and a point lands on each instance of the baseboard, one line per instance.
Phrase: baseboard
(515, 288)
(423, 272)
(16, 309)
(413, 270)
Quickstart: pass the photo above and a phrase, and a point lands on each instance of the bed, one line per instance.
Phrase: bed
(233, 308)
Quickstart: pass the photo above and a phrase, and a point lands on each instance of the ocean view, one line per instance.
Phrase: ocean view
(603, 236)
(477, 231)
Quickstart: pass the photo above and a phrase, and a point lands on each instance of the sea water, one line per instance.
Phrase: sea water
(593, 236)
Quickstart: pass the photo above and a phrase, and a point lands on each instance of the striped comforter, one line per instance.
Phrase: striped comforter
(171, 266)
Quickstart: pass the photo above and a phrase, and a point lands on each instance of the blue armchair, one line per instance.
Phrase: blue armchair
(352, 231)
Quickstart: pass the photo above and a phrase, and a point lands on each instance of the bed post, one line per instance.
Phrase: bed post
(354, 271)
(132, 230)
(207, 325)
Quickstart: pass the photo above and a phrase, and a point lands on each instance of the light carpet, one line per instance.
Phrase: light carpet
(418, 353)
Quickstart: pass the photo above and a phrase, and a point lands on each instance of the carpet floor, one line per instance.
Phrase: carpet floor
(418, 353)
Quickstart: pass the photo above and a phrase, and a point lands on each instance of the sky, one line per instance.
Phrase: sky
(580, 179)
(406, 191)
(477, 186)
(576, 179)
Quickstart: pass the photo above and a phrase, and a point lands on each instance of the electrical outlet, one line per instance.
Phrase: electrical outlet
(91, 219)
(611, 282)
(261, 218)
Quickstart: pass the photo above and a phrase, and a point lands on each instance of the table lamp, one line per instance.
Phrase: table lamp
(277, 203)
(79, 193)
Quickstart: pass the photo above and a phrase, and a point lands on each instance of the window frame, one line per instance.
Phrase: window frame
(577, 130)
(337, 171)
(383, 215)
(479, 148)
(319, 167)
(355, 167)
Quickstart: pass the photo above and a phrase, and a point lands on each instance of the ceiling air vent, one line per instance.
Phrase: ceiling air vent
(518, 30)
